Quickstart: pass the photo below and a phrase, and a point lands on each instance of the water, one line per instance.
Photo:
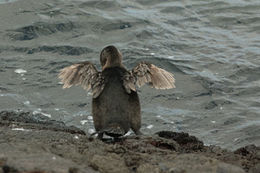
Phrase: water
(6, 1)
(212, 47)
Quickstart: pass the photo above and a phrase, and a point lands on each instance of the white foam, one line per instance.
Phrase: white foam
(44, 114)
(83, 122)
(152, 53)
(207, 144)
(20, 71)
(213, 122)
(126, 26)
(149, 126)
(76, 137)
(90, 117)
(21, 129)
(170, 57)
(26, 102)
(47, 115)
(91, 131)
(128, 133)
(36, 112)
(236, 139)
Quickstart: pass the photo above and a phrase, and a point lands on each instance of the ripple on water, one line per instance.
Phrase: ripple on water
(212, 47)
(40, 29)
(7, 1)
(20, 71)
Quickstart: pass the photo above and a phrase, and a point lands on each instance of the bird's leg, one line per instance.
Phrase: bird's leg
(100, 136)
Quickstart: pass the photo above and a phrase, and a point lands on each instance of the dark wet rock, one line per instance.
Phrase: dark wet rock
(246, 157)
(26, 117)
(44, 145)
(40, 28)
(184, 139)
(34, 121)
(251, 156)
(250, 151)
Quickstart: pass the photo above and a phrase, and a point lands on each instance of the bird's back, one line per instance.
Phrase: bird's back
(113, 109)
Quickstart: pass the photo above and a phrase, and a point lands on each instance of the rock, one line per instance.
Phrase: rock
(196, 163)
(249, 151)
(22, 159)
(255, 169)
(32, 143)
(184, 139)
(251, 157)
(34, 121)
(148, 168)
(110, 163)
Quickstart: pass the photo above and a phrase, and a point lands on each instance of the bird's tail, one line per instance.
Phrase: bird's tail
(114, 131)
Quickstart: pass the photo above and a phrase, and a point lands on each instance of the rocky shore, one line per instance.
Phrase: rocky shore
(37, 144)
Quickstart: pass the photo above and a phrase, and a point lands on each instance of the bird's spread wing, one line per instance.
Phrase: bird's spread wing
(148, 73)
(84, 74)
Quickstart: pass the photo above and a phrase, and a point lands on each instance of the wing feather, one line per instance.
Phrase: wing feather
(146, 73)
(84, 74)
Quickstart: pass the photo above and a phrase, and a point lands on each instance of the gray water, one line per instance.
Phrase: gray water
(212, 47)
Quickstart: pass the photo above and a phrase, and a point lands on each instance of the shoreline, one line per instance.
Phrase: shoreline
(35, 143)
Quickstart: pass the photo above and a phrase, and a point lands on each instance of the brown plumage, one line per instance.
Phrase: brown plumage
(115, 103)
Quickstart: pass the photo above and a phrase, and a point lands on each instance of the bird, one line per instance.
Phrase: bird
(115, 103)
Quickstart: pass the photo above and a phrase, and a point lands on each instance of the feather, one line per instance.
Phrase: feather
(146, 73)
(84, 74)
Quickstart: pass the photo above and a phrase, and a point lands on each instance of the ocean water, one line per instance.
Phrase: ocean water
(212, 47)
